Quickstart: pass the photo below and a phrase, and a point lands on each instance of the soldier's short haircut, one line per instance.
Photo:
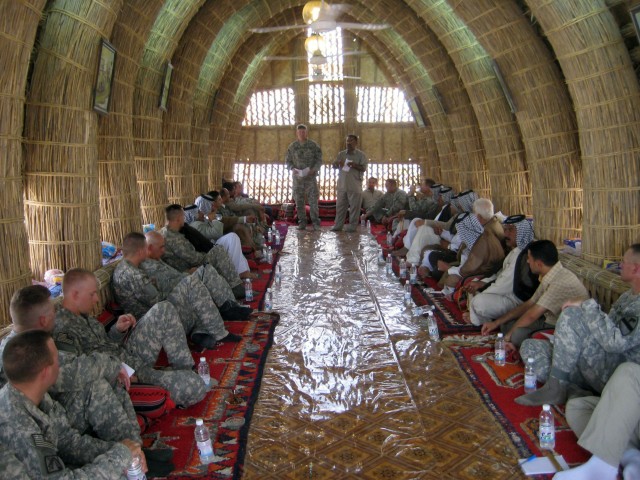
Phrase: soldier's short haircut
(26, 305)
(74, 277)
(25, 355)
(228, 185)
(429, 181)
(545, 251)
(636, 249)
(133, 243)
(353, 135)
(301, 126)
(172, 211)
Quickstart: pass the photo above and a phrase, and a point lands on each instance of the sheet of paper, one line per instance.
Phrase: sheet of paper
(300, 173)
(130, 371)
(541, 465)
(346, 166)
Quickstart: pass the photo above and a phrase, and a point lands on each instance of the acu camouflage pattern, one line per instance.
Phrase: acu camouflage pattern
(159, 328)
(181, 255)
(87, 388)
(10, 466)
(589, 344)
(389, 204)
(136, 290)
(44, 442)
(301, 156)
(423, 207)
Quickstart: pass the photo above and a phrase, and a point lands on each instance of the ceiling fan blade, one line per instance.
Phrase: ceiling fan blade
(353, 78)
(363, 26)
(277, 29)
(276, 57)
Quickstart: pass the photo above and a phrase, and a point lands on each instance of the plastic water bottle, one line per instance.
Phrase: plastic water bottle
(278, 274)
(269, 255)
(500, 353)
(407, 294)
(389, 268)
(403, 270)
(248, 290)
(389, 239)
(203, 371)
(277, 237)
(546, 429)
(203, 441)
(413, 275)
(369, 226)
(270, 236)
(434, 333)
(363, 221)
(134, 472)
(530, 377)
(268, 300)
(381, 260)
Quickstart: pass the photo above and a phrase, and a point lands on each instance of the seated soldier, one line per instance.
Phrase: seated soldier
(182, 255)
(35, 428)
(606, 426)
(482, 235)
(588, 344)
(389, 204)
(243, 226)
(137, 292)
(541, 311)
(421, 204)
(135, 342)
(11, 466)
(165, 276)
(212, 231)
(91, 388)
(494, 296)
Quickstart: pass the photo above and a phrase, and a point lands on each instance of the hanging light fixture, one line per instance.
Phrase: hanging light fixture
(311, 11)
(314, 43)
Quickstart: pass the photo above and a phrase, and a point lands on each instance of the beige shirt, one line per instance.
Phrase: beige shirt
(369, 198)
(556, 287)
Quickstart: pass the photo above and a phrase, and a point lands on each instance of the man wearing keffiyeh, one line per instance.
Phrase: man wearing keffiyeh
(482, 235)
(497, 296)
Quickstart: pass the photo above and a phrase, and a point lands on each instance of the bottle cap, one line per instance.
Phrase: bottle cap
(546, 407)
(199, 421)
(529, 360)
(268, 289)
(500, 335)
(202, 359)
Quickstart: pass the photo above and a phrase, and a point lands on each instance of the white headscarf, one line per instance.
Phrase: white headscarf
(204, 203)
(190, 213)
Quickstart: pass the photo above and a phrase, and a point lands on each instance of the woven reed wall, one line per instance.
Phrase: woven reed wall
(545, 113)
(119, 197)
(18, 24)
(428, 156)
(606, 100)
(458, 126)
(510, 186)
(61, 184)
(147, 122)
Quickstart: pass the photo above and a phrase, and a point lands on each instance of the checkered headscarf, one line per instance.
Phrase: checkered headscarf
(204, 203)
(469, 230)
(446, 193)
(465, 200)
(190, 213)
(524, 229)
(435, 189)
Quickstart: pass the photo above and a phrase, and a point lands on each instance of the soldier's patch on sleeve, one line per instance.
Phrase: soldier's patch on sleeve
(53, 464)
(62, 337)
(628, 325)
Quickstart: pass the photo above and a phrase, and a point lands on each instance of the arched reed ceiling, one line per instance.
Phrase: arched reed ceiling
(544, 113)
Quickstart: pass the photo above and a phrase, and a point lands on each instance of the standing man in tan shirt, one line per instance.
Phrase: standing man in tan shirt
(352, 164)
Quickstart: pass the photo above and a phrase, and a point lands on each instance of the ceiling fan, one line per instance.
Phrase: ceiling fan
(321, 17)
(317, 58)
(318, 75)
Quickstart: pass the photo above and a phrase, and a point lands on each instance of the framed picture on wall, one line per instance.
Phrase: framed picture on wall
(104, 78)
(418, 112)
(166, 83)
(635, 16)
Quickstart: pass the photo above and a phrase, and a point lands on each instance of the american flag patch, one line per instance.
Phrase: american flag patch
(40, 442)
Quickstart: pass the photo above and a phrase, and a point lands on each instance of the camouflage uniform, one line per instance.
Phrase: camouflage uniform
(10, 466)
(181, 255)
(139, 288)
(388, 205)
(301, 156)
(589, 344)
(42, 440)
(159, 328)
(87, 389)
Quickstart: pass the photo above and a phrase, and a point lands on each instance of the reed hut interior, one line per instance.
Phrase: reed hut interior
(110, 110)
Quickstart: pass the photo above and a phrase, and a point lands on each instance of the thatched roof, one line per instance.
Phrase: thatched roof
(71, 177)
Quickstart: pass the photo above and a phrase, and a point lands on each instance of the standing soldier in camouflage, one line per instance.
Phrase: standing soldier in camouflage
(137, 343)
(138, 292)
(304, 159)
(91, 388)
(182, 255)
(35, 428)
(352, 163)
(588, 344)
